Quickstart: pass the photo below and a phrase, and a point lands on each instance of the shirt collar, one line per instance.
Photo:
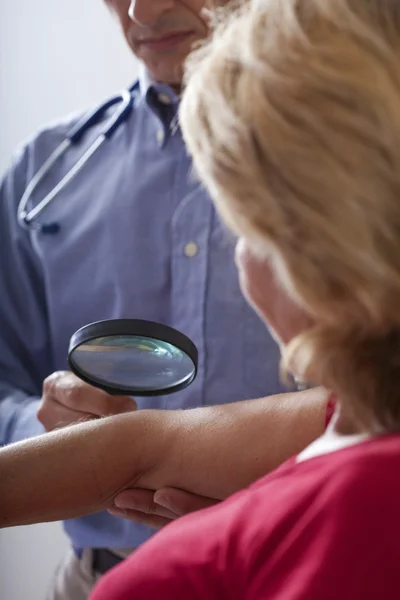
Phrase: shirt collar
(152, 91)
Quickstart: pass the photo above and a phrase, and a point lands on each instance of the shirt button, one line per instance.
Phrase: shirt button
(191, 249)
(160, 136)
(164, 99)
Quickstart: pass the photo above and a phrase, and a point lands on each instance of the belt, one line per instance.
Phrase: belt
(103, 560)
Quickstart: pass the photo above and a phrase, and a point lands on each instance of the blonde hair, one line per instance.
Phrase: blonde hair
(292, 115)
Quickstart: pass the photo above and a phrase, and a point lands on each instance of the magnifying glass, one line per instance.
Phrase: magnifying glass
(133, 357)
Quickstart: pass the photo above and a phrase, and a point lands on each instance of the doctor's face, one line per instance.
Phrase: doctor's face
(161, 33)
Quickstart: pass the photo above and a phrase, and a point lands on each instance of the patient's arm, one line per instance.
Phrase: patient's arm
(211, 451)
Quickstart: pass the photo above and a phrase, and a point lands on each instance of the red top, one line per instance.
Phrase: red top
(327, 528)
(330, 409)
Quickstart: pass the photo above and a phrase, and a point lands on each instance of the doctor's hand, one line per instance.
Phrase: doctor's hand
(66, 399)
(159, 508)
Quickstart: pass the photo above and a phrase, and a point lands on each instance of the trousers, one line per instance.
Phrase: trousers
(74, 578)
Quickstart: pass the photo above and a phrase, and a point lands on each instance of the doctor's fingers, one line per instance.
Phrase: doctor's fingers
(157, 508)
(137, 505)
(182, 502)
(154, 521)
(72, 392)
(54, 415)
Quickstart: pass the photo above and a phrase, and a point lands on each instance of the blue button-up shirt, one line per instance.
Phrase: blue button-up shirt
(138, 238)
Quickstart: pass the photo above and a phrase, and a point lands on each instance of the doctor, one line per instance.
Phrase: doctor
(132, 235)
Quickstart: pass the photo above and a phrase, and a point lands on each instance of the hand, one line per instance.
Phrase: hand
(159, 508)
(66, 399)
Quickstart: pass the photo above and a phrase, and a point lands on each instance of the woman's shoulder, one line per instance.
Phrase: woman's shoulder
(350, 469)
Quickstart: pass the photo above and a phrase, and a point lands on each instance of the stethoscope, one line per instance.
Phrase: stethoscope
(28, 218)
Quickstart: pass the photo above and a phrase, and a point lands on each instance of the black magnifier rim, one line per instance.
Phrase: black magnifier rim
(133, 327)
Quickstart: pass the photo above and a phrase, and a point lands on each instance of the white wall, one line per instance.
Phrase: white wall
(55, 57)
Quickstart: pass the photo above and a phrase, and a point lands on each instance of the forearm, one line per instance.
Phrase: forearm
(78, 470)
(218, 450)
(211, 451)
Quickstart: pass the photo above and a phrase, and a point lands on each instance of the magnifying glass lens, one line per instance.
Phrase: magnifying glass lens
(136, 362)
(133, 363)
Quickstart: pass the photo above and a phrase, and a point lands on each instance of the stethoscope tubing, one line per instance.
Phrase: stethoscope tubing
(27, 218)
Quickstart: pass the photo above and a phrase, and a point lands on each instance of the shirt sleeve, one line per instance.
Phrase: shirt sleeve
(24, 345)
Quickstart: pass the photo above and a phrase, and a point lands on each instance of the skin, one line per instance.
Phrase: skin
(161, 33)
(260, 286)
(209, 452)
(67, 399)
